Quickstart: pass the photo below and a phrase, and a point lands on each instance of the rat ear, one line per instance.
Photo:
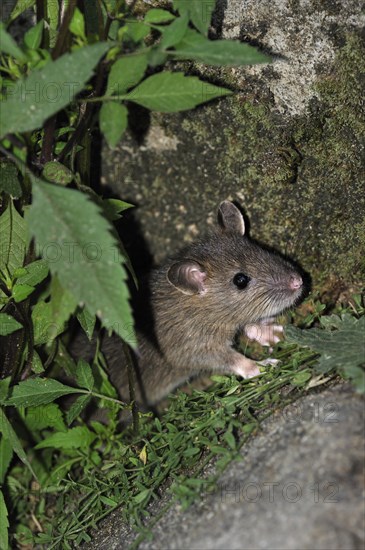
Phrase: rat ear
(187, 276)
(230, 218)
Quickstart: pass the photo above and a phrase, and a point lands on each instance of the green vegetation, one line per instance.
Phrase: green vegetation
(59, 474)
(77, 476)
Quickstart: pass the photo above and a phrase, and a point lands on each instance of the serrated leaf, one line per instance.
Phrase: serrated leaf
(38, 391)
(8, 44)
(46, 91)
(45, 416)
(75, 438)
(342, 347)
(21, 292)
(156, 15)
(89, 263)
(87, 321)
(76, 408)
(200, 12)
(113, 207)
(84, 376)
(125, 73)
(13, 440)
(113, 118)
(168, 92)
(4, 524)
(53, 19)
(13, 240)
(8, 324)
(9, 181)
(217, 52)
(20, 7)
(34, 273)
(33, 37)
(174, 33)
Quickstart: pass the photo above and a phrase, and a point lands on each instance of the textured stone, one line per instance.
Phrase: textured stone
(298, 485)
(288, 146)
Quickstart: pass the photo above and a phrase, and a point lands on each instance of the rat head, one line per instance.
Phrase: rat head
(234, 279)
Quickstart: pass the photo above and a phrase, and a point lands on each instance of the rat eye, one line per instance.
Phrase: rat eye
(241, 280)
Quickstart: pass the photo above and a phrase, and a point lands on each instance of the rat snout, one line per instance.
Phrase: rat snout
(295, 282)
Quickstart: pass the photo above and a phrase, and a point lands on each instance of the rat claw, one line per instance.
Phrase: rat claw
(268, 361)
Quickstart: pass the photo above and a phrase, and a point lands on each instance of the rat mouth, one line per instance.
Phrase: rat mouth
(276, 302)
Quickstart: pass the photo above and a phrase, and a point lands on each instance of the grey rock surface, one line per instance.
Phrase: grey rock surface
(298, 485)
(288, 145)
(300, 36)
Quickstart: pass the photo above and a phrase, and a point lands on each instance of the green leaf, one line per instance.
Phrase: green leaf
(135, 31)
(53, 19)
(9, 181)
(156, 15)
(57, 173)
(20, 7)
(4, 388)
(44, 92)
(33, 37)
(45, 416)
(4, 524)
(8, 44)
(77, 25)
(84, 376)
(8, 324)
(62, 304)
(342, 347)
(46, 326)
(13, 440)
(37, 365)
(21, 292)
(87, 321)
(217, 52)
(34, 273)
(113, 122)
(174, 33)
(13, 240)
(6, 454)
(75, 438)
(125, 73)
(76, 408)
(200, 12)
(38, 391)
(157, 57)
(357, 376)
(87, 260)
(168, 92)
(301, 378)
(113, 207)
(142, 496)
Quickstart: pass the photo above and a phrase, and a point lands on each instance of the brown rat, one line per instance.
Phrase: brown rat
(217, 287)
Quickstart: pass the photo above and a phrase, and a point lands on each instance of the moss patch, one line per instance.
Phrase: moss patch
(300, 180)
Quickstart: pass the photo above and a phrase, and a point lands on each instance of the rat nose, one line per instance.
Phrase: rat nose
(295, 282)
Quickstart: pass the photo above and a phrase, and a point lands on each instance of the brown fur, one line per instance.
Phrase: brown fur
(191, 333)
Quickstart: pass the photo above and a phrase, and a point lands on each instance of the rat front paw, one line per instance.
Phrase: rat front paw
(247, 368)
(264, 333)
